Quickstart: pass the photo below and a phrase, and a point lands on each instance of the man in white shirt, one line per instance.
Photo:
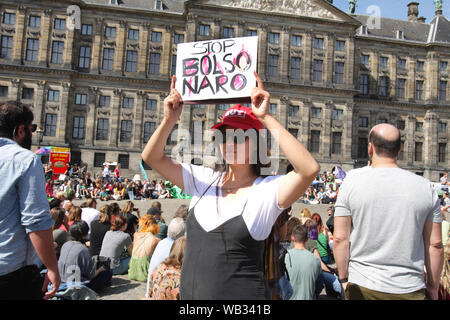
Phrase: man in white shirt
(392, 219)
(90, 213)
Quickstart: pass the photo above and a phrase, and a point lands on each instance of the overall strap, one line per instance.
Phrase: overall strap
(205, 191)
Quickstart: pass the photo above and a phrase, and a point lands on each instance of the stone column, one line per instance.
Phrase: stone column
(408, 155)
(262, 53)
(328, 63)
(97, 45)
(241, 29)
(120, 52)
(191, 27)
(114, 126)
(13, 90)
(392, 65)
(307, 60)
(45, 39)
(142, 62)
(139, 120)
(91, 116)
(216, 29)
(39, 106)
(347, 134)
(69, 47)
(305, 130)
(432, 74)
(166, 53)
(325, 135)
(411, 82)
(374, 67)
(284, 110)
(285, 50)
(19, 46)
(350, 63)
(430, 145)
(61, 133)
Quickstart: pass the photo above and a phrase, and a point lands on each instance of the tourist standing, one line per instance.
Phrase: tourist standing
(392, 219)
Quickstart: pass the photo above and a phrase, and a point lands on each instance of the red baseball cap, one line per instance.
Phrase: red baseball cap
(239, 117)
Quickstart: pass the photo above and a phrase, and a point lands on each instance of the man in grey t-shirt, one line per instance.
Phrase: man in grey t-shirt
(387, 227)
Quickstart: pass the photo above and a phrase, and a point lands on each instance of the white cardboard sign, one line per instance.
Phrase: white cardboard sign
(219, 69)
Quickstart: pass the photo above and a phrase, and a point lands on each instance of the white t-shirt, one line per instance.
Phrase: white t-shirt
(260, 201)
(89, 215)
(388, 208)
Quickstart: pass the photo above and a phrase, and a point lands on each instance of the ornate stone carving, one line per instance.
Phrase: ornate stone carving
(284, 99)
(275, 50)
(118, 92)
(297, 7)
(8, 30)
(15, 82)
(109, 43)
(134, 46)
(34, 33)
(103, 113)
(296, 123)
(60, 35)
(155, 47)
(191, 17)
(127, 115)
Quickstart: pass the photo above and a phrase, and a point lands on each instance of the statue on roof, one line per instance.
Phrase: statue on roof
(438, 5)
(352, 4)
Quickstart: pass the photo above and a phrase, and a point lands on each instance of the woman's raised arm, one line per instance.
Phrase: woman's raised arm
(153, 153)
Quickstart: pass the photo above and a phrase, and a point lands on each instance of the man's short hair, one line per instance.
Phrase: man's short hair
(13, 114)
(300, 234)
(384, 147)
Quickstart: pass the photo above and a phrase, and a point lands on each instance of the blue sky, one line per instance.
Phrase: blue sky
(396, 9)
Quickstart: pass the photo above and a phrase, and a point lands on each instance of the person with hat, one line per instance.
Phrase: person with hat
(156, 214)
(235, 205)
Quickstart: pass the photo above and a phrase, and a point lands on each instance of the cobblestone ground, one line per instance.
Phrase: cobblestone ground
(122, 288)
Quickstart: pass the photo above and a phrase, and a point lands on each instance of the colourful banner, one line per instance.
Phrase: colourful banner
(59, 162)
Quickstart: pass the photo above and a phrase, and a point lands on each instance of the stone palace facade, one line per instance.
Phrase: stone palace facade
(97, 71)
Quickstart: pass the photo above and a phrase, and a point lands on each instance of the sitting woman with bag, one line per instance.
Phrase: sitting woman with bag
(75, 263)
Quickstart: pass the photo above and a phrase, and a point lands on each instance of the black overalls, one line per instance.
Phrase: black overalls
(223, 264)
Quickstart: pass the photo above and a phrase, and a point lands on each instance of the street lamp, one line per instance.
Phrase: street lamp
(40, 135)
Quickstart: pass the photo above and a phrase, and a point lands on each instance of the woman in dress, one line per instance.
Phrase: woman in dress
(164, 281)
(144, 245)
(234, 207)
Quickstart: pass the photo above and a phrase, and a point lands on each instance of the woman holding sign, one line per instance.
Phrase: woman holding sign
(233, 209)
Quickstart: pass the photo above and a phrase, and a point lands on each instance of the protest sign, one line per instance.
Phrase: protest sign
(60, 161)
(220, 69)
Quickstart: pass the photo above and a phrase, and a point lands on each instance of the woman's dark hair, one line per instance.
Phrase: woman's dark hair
(115, 209)
(79, 230)
(55, 203)
(13, 114)
(58, 215)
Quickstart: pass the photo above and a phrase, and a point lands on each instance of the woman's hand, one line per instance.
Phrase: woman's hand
(260, 99)
(173, 103)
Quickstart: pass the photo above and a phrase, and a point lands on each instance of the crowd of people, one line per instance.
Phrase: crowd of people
(239, 239)
(79, 183)
(94, 245)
